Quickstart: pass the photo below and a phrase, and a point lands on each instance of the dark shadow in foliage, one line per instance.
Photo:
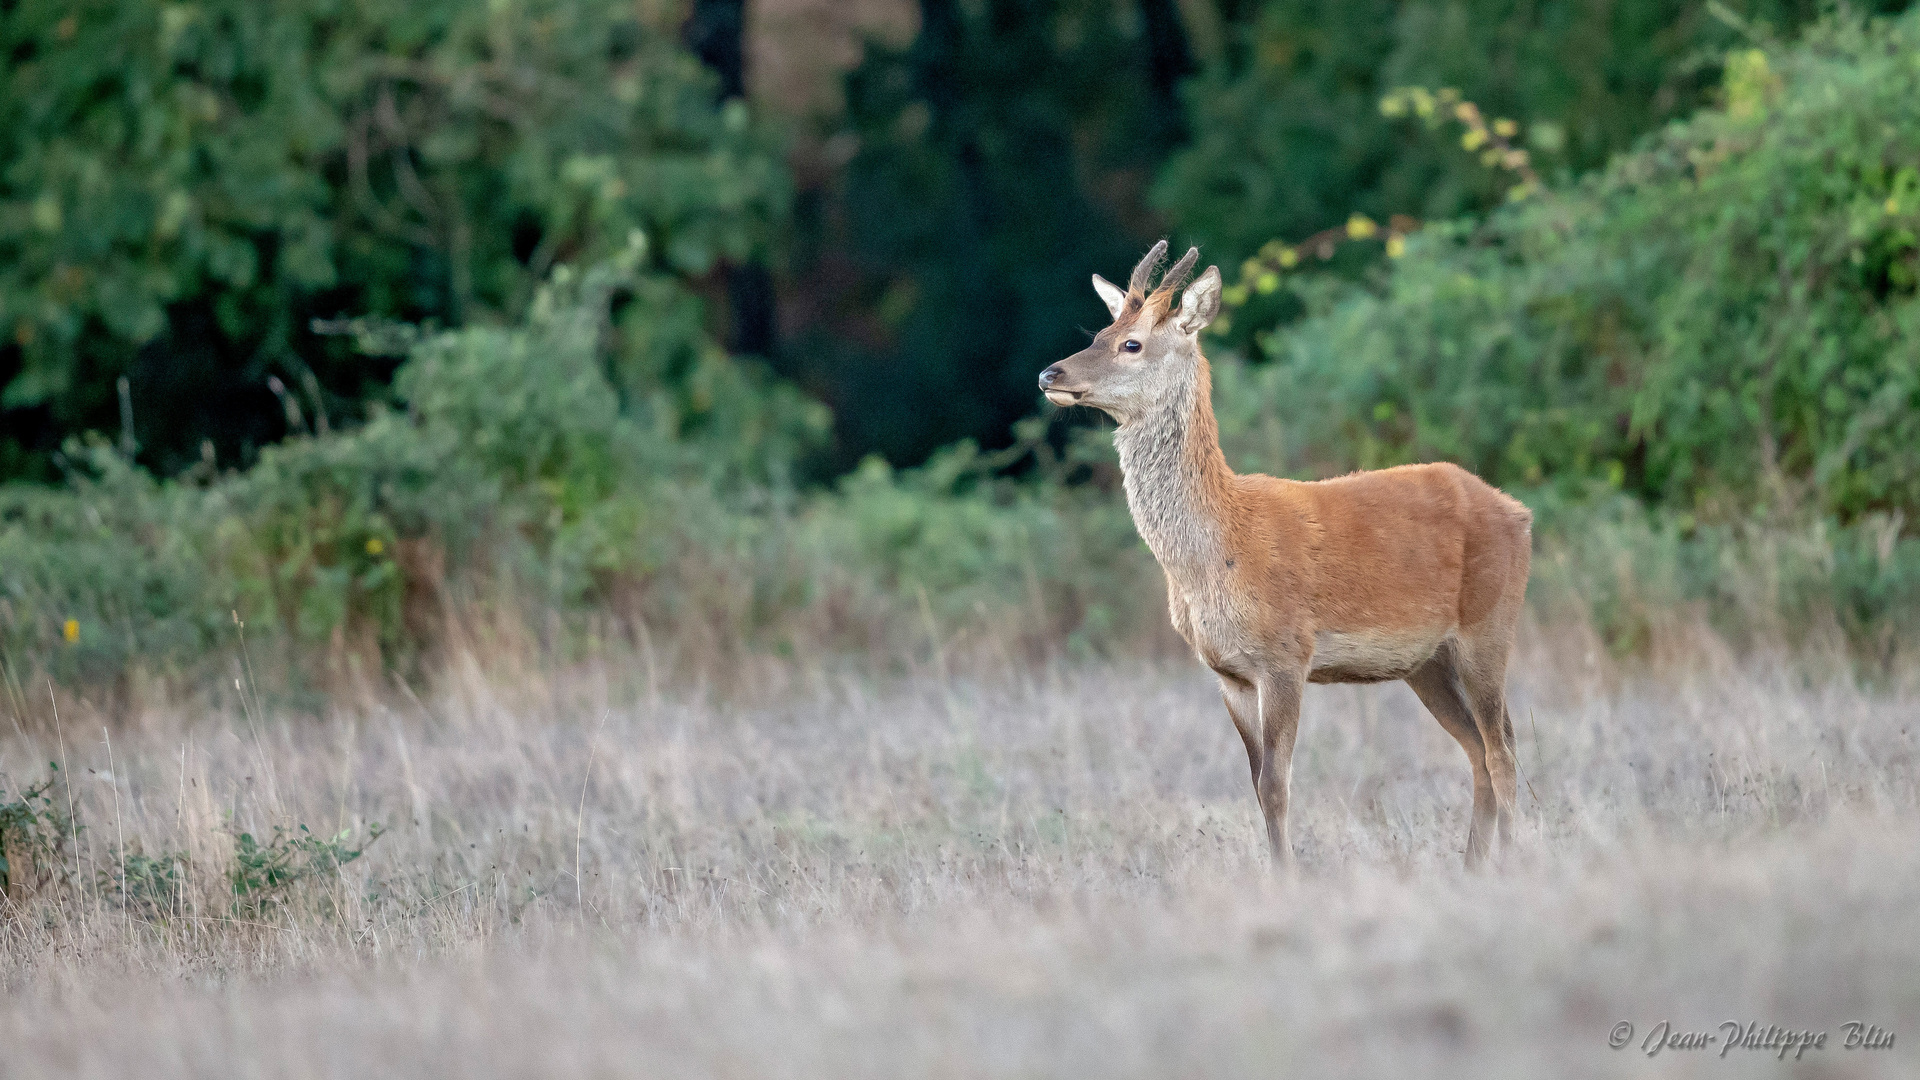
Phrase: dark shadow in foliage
(1001, 159)
(715, 31)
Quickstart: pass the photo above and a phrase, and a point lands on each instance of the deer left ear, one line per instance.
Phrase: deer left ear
(1115, 297)
(1201, 302)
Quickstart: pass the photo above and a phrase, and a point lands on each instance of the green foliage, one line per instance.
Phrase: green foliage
(1720, 322)
(1040, 560)
(518, 472)
(187, 184)
(113, 566)
(152, 886)
(514, 458)
(1289, 140)
(1629, 572)
(37, 853)
(36, 835)
(263, 875)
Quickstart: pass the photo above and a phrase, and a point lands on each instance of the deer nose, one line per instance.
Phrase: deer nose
(1049, 377)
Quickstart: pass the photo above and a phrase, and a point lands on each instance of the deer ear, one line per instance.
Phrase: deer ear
(1201, 302)
(1114, 295)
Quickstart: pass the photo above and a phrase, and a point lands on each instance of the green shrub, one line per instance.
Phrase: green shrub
(39, 841)
(150, 886)
(1625, 570)
(111, 567)
(36, 837)
(1288, 138)
(513, 459)
(1042, 561)
(265, 875)
(519, 473)
(1723, 322)
(186, 185)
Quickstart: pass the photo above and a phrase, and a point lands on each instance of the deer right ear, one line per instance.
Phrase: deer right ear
(1201, 302)
(1114, 295)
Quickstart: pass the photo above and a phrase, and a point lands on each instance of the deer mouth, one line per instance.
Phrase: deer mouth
(1065, 397)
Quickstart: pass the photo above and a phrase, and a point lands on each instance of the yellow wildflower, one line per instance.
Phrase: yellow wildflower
(71, 630)
(375, 546)
(1360, 227)
(1396, 246)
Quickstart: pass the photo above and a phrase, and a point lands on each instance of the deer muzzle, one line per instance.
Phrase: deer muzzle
(1059, 395)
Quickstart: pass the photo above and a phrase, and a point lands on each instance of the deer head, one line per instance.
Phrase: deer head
(1152, 345)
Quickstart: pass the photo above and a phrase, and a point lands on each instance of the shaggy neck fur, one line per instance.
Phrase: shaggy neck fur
(1176, 476)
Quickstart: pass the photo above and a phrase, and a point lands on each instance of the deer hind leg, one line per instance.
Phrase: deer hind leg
(1437, 683)
(1279, 696)
(1483, 673)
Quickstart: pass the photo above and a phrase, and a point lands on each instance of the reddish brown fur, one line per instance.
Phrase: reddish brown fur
(1415, 573)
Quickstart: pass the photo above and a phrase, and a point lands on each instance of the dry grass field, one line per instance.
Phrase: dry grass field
(1053, 872)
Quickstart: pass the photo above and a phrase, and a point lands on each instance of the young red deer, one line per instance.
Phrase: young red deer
(1415, 572)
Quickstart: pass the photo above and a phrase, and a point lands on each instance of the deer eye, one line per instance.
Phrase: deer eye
(1131, 345)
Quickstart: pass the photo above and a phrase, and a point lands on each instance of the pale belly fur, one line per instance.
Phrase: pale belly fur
(1369, 655)
(1220, 640)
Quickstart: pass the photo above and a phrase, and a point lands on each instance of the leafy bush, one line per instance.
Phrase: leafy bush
(1630, 572)
(1039, 562)
(153, 886)
(38, 854)
(264, 874)
(513, 459)
(115, 565)
(187, 184)
(1288, 141)
(1721, 323)
(36, 835)
(523, 476)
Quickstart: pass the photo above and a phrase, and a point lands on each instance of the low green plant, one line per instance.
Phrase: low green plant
(263, 875)
(152, 886)
(36, 836)
(1626, 570)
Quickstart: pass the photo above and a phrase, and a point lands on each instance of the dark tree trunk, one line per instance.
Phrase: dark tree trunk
(1168, 61)
(715, 31)
(936, 55)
